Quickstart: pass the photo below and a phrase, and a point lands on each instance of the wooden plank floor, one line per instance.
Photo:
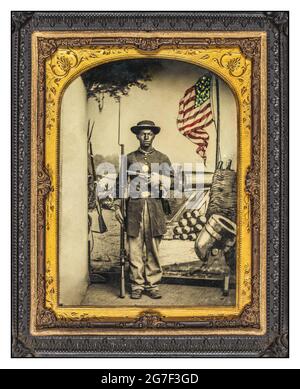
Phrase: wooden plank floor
(173, 295)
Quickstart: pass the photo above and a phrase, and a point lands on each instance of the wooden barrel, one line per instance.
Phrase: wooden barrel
(223, 194)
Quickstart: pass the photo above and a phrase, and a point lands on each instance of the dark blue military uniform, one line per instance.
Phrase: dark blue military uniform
(135, 205)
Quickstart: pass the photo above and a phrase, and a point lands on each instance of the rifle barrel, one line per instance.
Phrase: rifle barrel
(122, 234)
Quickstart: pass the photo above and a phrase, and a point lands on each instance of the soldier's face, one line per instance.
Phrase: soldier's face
(145, 138)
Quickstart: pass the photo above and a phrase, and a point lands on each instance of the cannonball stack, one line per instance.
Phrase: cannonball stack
(189, 225)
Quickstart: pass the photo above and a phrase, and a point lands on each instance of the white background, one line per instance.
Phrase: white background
(5, 360)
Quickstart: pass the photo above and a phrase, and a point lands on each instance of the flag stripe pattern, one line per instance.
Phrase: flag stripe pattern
(195, 115)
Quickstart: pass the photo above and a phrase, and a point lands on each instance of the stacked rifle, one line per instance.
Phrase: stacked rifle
(101, 222)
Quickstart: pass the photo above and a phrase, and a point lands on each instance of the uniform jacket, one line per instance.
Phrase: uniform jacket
(135, 206)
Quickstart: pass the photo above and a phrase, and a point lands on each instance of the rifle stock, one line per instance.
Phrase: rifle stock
(122, 273)
(102, 224)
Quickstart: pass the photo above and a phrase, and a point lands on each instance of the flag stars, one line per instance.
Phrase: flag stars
(202, 90)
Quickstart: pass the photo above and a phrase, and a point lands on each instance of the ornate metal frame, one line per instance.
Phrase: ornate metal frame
(273, 343)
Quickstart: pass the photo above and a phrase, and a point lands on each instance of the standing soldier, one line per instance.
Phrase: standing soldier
(145, 212)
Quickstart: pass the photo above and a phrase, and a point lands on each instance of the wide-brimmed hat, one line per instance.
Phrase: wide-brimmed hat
(145, 125)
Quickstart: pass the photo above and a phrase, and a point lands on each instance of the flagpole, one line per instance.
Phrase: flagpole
(218, 122)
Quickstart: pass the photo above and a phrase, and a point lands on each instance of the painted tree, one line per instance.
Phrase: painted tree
(115, 79)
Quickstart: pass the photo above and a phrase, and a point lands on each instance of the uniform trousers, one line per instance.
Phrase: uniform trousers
(145, 271)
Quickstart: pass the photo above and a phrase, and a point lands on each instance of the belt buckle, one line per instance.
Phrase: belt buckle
(145, 195)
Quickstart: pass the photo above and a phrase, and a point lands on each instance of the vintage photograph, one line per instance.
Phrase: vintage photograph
(148, 173)
(150, 201)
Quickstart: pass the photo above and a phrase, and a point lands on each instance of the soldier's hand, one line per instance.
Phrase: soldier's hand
(119, 216)
(154, 178)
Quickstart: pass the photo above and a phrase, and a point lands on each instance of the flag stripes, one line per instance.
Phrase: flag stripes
(195, 116)
(195, 113)
(205, 116)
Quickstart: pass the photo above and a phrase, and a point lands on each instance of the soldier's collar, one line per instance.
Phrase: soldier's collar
(146, 152)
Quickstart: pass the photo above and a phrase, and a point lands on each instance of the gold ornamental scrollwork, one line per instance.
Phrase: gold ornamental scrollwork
(250, 47)
(252, 183)
(250, 316)
(43, 182)
(45, 317)
(63, 63)
(150, 44)
(44, 186)
(66, 64)
(67, 58)
(150, 320)
(246, 210)
(234, 62)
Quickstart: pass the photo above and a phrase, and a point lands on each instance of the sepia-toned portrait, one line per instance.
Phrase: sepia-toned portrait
(149, 212)
(160, 153)
(149, 195)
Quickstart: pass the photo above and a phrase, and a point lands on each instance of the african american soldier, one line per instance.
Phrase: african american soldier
(145, 214)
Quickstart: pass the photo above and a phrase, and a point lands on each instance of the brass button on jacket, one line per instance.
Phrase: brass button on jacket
(135, 205)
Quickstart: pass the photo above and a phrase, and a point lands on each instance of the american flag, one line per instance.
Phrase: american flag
(195, 115)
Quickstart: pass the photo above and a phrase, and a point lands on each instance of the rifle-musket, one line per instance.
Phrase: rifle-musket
(101, 222)
(146, 176)
(123, 254)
